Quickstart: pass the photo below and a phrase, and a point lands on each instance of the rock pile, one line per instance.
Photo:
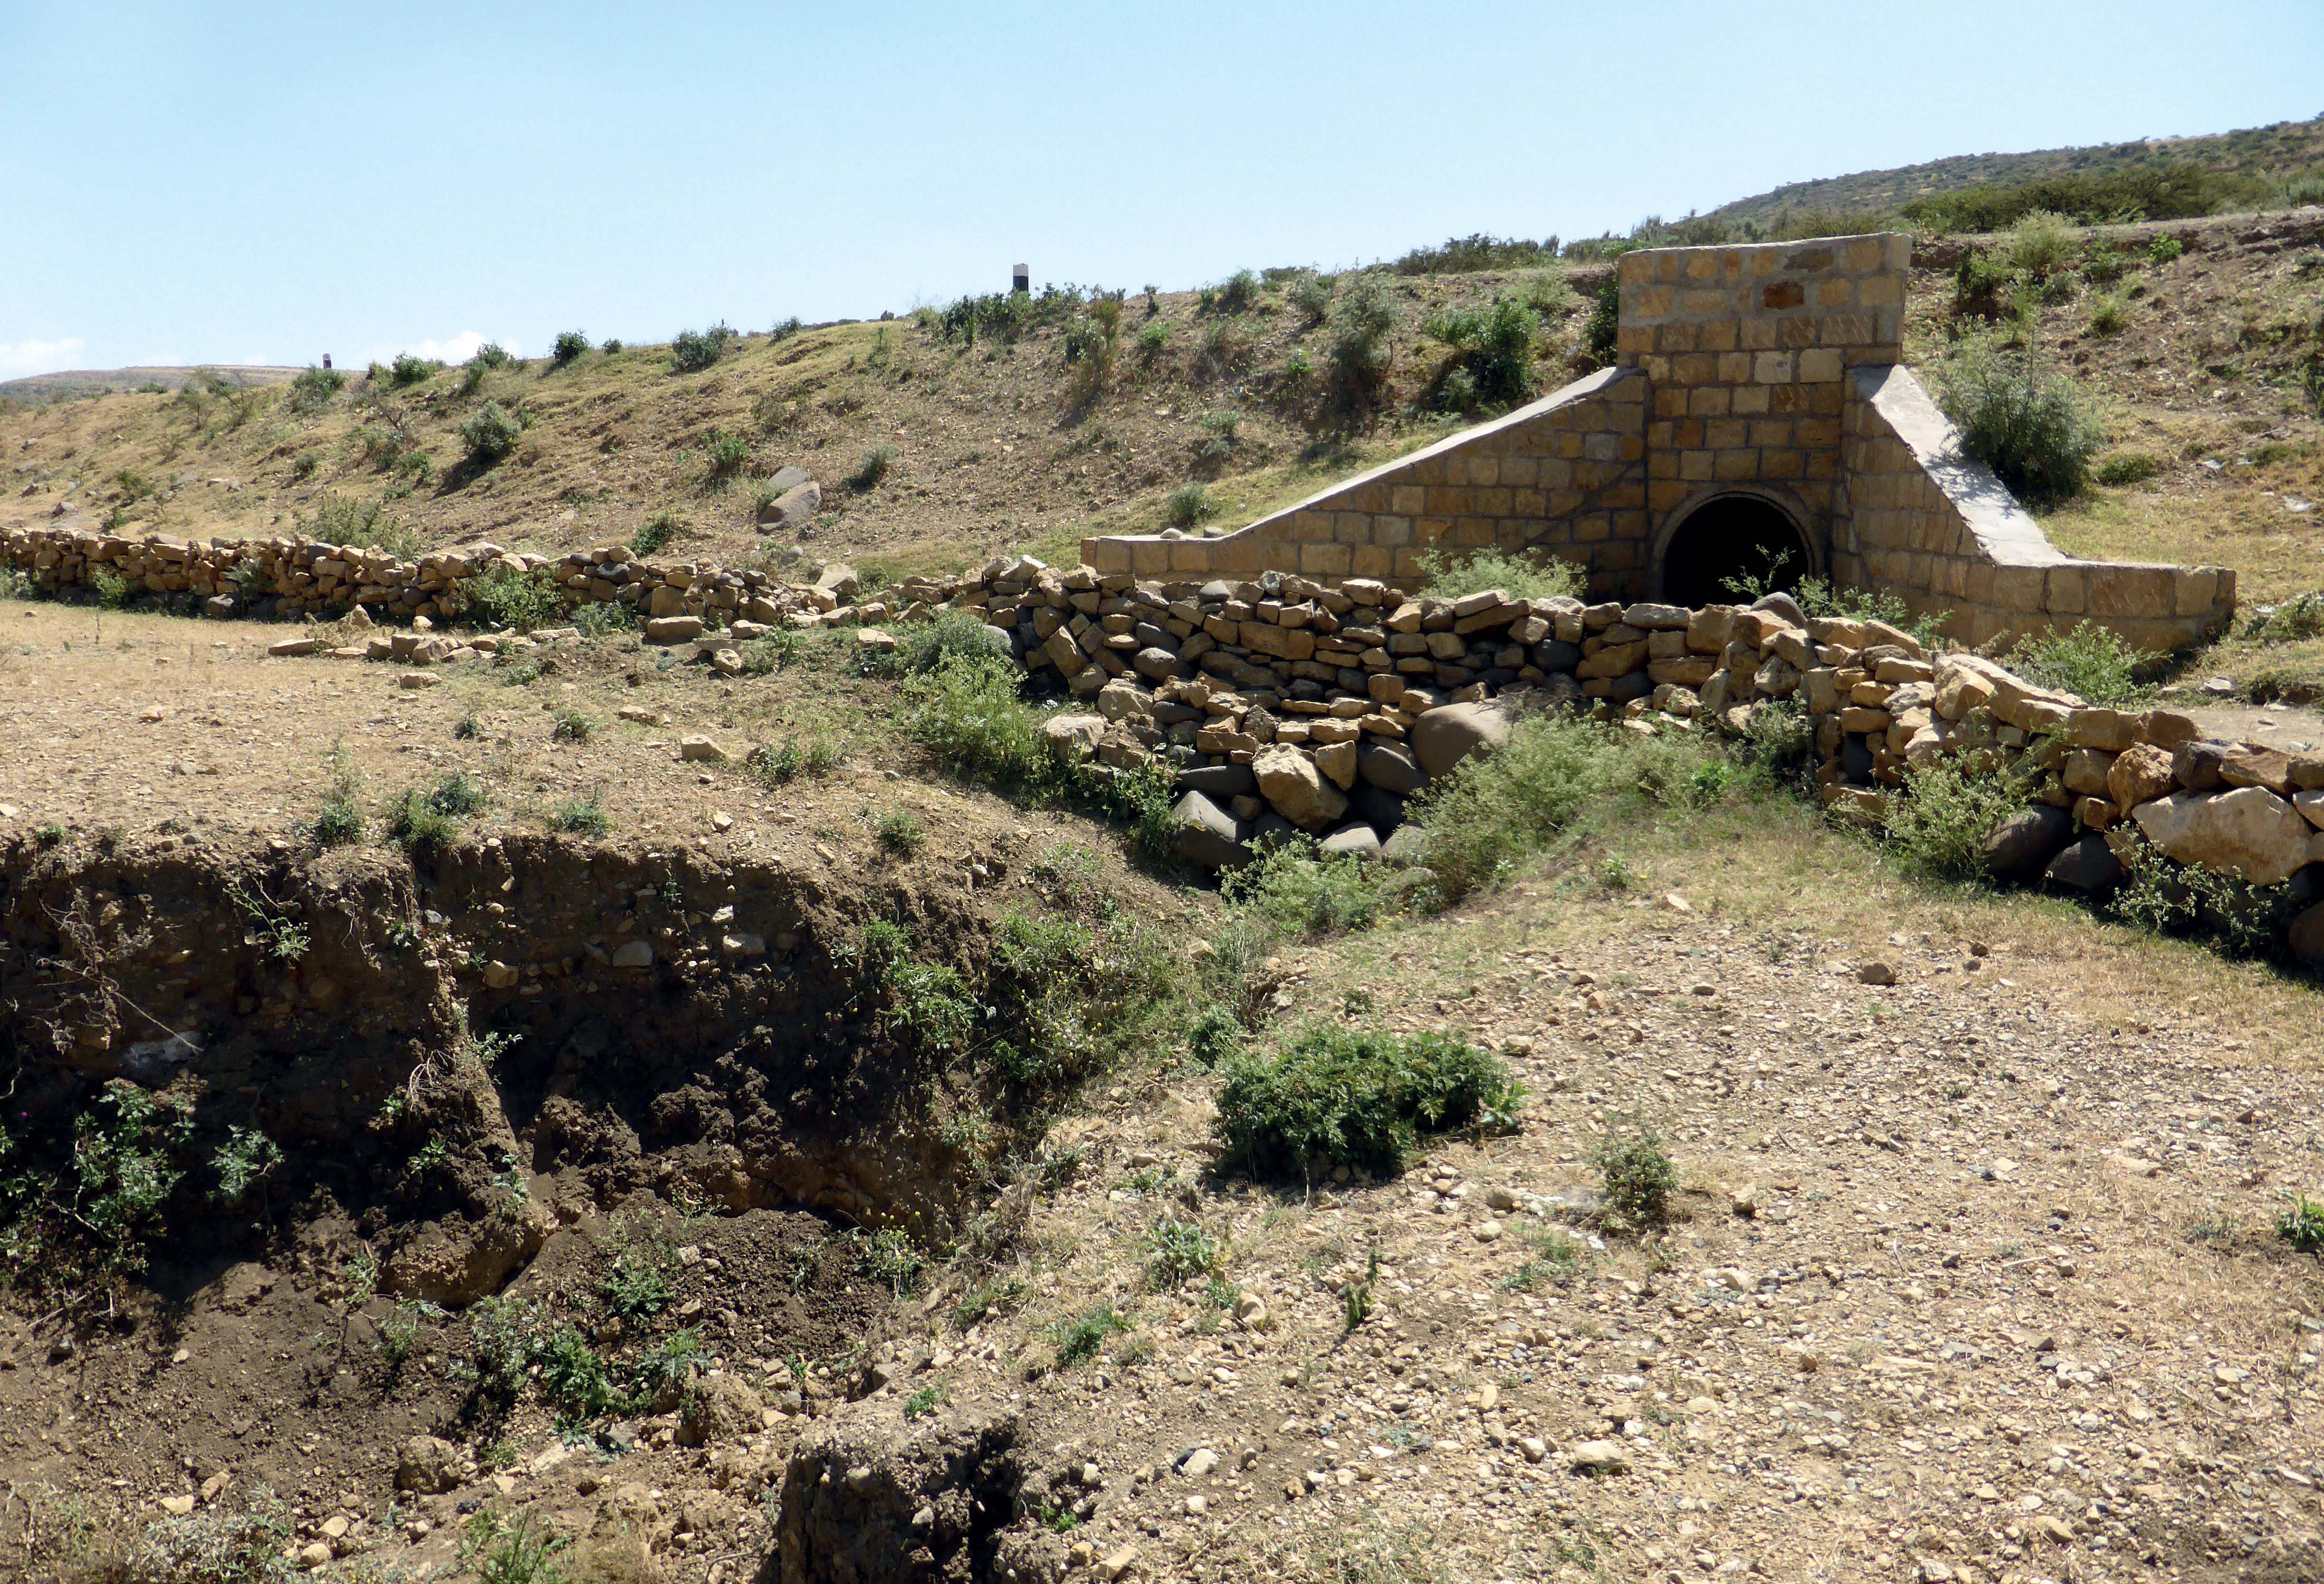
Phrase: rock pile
(1284, 703)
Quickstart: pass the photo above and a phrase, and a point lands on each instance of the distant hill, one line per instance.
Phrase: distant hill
(2259, 158)
(74, 382)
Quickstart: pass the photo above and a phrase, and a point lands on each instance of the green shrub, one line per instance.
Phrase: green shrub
(420, 819)
(692, 351)
(898, 832)
(875, 466)
(1299, 891)
(1601, 329)
(1078, 1339)
(1340, 1097)
(639, 1283)
(1522, 574)
(2162, 895)
(1218, 427)
(492, 354)
(1938, 824)
(572, 725)
(242, 1162)
(1177, 1249)
(1153, 336)
(779, 764)
(572, 1377)
(1361, 322)
(654, 534)
(2108, 314)
(2039, 244)
(312, 390)
(784, 329)
(2038, 430)
(491, 434)
(409, 370)
(612, 345)
(518, 601)
(1466, 255)
(521, 1550)
(2091, 662)
(2163, 249)
(2302, 1224)
(597, 619)
(969, 712)
(1311, 294)
(113, 590)
(582, 816)
(2131, 467)
(1188, 506)
(887, 1257)
(1635, 1180)
(727, 454)
(1495, 347)
(340, 820)
(2292, 620)
(668, 1366)
(568, 346)
(1238, 294)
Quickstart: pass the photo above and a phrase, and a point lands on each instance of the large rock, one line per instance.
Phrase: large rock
(870, 1502)
(1073, 737)
(428, 1466)
(722, 1408)
(1209, 837)
(1390, 767)
(2249, 832)
(2089, 866)
(1449, 733)
(1353, 841)
(670, 630)
(455, 1263)
(2306, 938)
(792, 510)
(1216, 781)
(1289, 781)
(2139, 774)
(2022, 845)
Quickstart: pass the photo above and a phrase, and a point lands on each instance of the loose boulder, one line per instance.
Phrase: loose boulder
(1209, 837)
(1390, 767)
(2087, 866)
(2249, 832)
(1449, 733)
(1289, 781)
(2025, 843)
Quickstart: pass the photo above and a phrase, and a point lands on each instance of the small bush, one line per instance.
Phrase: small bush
(1188, 506)
(1522, 574)
(2040, 244)
(492, 354)
(582, 816)
(785, 763)
(2090, 661)
(1495, 348)
(1938, 827)
(518, 601)
(727, 454)
(1218, 427)
(568, 346)
(889, 1256)
(2108, 314)
(1153, 336)
(2295, 620)
(2131, 467)
(1339, 1097)
(573, 726)
(785, 329)
(2302, 1224)
(1078, 1339)
(420, 819)
(1361, 322)
(692, 351)
(900, 833)
(113, 590)
(572, 1377)
(313, 390)
(1299, 891)
(1311, 294)
(1177, 1249)
(491, 434)
(1600, 330)
(2163, 249)
(654, 534)
(1635, 1180)
(340, 820)
(875, 466)
(2038, 430)
(243, 1162)
(1237, 294)
(408, 370)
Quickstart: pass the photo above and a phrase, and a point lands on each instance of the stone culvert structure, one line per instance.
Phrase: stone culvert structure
(1758, 418)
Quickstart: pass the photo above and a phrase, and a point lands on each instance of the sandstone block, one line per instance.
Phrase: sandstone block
(2139, 774)
(695, 748)
(670, 630)
(1446, 735)
(2249, 832)
(1337, 761)
(1074, 736)
(1290, 782)
(1208, 836)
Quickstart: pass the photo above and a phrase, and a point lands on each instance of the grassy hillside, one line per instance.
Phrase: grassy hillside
(936, 441)
(2176, 177)
(68, 383)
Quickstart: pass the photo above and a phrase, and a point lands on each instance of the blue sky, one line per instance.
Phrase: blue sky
(265, 183)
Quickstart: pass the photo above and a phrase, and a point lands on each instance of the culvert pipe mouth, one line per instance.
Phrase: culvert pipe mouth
(1733, 548)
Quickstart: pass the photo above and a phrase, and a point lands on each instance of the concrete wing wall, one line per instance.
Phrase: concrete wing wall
(1566, 473)
(1919, 519)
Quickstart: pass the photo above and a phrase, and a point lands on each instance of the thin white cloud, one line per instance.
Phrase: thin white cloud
(460, 348)
(39, 357)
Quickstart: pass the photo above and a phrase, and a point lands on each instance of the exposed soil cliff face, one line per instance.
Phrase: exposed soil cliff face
(362, 1011)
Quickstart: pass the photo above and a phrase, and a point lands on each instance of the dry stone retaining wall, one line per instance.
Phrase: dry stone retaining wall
(1772, 371)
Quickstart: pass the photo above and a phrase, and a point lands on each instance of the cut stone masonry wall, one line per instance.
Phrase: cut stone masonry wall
(1772, 371)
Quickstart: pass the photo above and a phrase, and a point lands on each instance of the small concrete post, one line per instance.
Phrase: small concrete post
(1021, 278)
(327, 359)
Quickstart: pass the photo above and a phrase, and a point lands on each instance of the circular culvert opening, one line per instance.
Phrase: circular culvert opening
(1732, 545)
